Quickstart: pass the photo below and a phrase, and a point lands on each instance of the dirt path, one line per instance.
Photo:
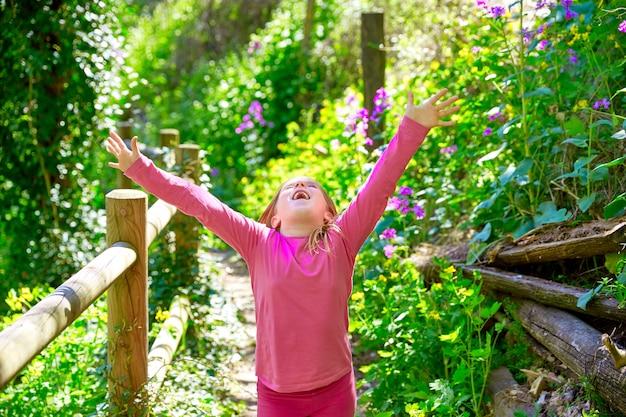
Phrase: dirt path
(235, 283)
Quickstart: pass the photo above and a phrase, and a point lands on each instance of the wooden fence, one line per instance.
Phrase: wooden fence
(122, 270)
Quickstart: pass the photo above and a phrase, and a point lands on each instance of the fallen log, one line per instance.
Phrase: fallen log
(578, 345)
(601, 242)
(507, 396)
(546, 292)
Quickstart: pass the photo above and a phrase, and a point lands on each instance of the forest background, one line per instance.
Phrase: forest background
(268, 93)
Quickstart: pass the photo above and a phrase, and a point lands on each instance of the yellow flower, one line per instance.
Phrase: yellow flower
(357, 296)
(161, 315)
(434, 66)
(450, 270)
(581, 104)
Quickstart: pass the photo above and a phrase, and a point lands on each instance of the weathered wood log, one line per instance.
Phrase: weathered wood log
(127, 302)
(578, 345)
(609, 241)
(507, 395)
(167, 341)
(547, 292)
(32, 332)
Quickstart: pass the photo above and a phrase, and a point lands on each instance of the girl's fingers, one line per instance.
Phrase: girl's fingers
(437, 95)
(133, 144)
(449, 111)
(447, 102)
(410, 98)
(114, 165)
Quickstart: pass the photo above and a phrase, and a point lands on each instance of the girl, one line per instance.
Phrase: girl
(301, 256)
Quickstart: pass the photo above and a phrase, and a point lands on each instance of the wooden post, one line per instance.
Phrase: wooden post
(169, 138)
(373, 60)
(128, 305)
(125, 130)
(185, 227)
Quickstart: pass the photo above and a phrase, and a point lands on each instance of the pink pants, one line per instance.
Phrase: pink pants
(335, 400)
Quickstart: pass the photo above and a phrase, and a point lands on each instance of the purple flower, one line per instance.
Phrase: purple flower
(368, 142)
(405, 190)
(419, 211)
(543, 3)
(482, 3)
(255, 113)
(569, 13)
(493, 117)
(380, 104)
(622, 26)
(476, 49)
(542, 45)
(389, 250)
(605, 103)
(487, 131)
(399, 204)
(253, 46)
(497, 11)
(388, 233)
(449, 150)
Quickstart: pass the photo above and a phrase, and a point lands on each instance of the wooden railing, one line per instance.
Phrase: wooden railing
(122, 271)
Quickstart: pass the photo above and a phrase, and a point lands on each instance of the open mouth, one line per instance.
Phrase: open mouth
(300, 195)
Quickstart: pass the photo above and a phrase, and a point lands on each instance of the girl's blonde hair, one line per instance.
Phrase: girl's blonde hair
(318, 239)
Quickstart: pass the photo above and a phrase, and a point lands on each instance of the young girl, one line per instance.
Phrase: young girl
(301, 256)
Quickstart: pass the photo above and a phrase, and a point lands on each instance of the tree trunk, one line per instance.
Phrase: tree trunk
(547, 292)
(610, 241)
(578, 345)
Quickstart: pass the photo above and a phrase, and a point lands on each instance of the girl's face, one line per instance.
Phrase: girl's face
(301, 200)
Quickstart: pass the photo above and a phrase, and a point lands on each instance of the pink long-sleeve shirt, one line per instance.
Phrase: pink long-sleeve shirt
(301, 298)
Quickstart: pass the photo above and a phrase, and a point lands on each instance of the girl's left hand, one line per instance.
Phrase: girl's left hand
(125, 157)
(429, 113)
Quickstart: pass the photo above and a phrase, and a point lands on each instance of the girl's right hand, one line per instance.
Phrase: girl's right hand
(125, 157)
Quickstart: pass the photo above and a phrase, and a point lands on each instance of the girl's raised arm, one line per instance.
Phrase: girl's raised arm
(125, 157)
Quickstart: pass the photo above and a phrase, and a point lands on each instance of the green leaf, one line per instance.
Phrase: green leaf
(548, 213)
(586, 202)
(540, 91)
(451, 337)
(610, 262)
(615, 208)
(601, 122)
(612, 163)
(588, 296)
(620, 135)
(483, 235)
(474, 252)
(574, 126)
(492, 155)
(580, 142)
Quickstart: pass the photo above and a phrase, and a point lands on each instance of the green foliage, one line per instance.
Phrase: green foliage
(207, 96)
(435, 343)
(69, 376)
(55, 62)
(545, 87)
